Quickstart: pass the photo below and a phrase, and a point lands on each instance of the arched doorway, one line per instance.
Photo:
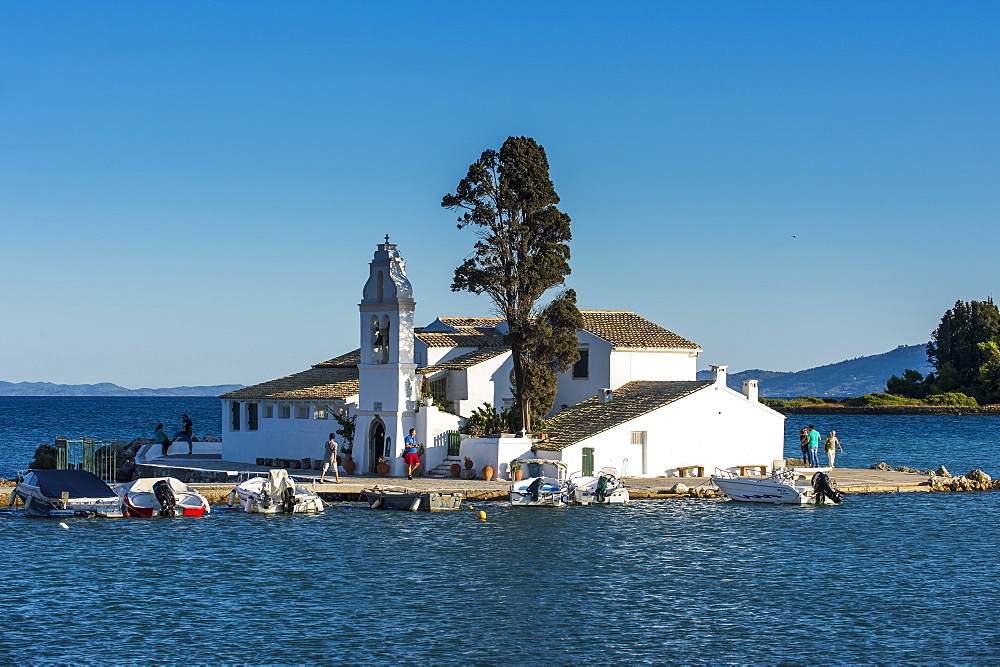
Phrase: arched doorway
(376, 443)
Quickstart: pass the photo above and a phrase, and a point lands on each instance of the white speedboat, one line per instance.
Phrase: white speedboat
(66, 493)
(541, 490)
(274, 494)
(782, 487)
(162, 496)
(603, 489)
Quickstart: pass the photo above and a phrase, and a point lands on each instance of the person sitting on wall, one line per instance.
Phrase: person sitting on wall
(160, 437)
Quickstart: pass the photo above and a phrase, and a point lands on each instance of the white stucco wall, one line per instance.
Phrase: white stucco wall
(498, 452)
(630, 365)
(715, 427)
(275, 437)
(487, 382)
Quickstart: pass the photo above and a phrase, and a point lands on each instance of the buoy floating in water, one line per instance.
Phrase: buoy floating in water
(482, 515)
(63, 526)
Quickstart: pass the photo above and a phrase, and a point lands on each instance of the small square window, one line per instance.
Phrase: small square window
(581, 369)
(638, 437)
(319, 413)
(302, 412)
(284, 411)
(267, 411)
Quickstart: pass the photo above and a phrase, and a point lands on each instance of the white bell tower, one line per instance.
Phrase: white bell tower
(387, 375)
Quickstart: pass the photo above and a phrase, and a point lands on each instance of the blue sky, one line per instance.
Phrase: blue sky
(190, 192)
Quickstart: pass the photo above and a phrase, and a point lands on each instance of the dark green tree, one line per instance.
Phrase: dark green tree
(522, 251)
(553, 348)
(911, 385)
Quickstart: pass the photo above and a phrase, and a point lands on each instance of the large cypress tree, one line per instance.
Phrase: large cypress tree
(522, 252)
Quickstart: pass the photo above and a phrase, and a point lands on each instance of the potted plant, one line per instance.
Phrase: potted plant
(516, 472)
(382, 467)
(487, 472)
(456, 470)
(346, 433)
(468, 463)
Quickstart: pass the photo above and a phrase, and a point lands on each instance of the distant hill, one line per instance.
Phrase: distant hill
(107, 389)
(853, 377)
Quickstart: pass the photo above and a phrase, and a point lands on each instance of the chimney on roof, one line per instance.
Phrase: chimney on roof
(719, 374)
(750, 390)
(605, 395)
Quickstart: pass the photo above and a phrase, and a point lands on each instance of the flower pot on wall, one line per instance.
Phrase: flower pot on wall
(469, 464)
(382, 469)
(518, 475)
(487, 472)
(456, 470)
(350, 466)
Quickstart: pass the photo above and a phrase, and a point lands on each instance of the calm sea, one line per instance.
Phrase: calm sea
(882, 579)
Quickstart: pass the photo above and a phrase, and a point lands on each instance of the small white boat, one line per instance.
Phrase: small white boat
(603, 489)
(410, 499)
(162, 496)
(274, 494)
(66, 493)
(540, 491)
(800, 486)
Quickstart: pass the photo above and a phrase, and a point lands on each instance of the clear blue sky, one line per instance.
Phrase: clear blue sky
(190, 192)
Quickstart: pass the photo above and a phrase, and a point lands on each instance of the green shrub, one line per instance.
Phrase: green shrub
(878, 400)
(951, 398)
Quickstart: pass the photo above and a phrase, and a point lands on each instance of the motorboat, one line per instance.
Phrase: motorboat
(799, 486)
(603, 489)
(274, 494)
(540, 490)
(66, 493)
(410, 499)
(162, 496)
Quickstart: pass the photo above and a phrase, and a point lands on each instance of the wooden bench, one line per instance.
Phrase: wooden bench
(743, 469)
(685, 471)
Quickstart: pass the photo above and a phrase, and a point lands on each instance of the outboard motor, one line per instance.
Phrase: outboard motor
(601, 493)
(535, 487)
(823, 486)
(264, 499)
(288, 500)
(165, 496)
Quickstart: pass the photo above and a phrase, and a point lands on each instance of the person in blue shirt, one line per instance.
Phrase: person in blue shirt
(814, 438)
(411, 453)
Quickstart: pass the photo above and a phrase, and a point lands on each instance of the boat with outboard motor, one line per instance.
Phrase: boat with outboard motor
(602, 489)
(66, 493)
(401, 498)
(798, 486)
(540, 490)
(274, 494)
(162, 496)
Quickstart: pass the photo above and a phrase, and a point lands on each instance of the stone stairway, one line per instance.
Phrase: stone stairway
(443, 469)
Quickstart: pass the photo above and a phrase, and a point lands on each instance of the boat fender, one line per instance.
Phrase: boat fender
(232, 497)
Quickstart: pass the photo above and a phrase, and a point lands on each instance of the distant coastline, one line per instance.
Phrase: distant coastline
(108, 389)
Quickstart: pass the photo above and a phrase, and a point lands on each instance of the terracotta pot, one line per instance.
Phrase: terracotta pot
(339, 459)
(487, 472)
(518, 475)
(350, 466)
(456, 470)
(468, 465)
(383, 469)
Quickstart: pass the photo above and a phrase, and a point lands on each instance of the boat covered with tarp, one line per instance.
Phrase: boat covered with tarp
(410, 499)
(66, 493)
(162, 496)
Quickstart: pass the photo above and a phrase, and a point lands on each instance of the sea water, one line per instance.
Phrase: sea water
(883, 578)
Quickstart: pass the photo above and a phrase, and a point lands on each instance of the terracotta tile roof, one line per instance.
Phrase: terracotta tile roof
(590, 417)
(623, 328)
(319, 382)
(471, 321)
(465, 361)
(466, 337)
(349, 359)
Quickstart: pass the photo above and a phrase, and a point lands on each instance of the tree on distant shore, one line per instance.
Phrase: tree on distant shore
(964, 352)
(522, 252)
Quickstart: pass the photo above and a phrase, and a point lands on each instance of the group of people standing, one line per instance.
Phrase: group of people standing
(186, 434)
(809, 439)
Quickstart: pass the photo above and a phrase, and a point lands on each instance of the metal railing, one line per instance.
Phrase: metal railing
(97, 456)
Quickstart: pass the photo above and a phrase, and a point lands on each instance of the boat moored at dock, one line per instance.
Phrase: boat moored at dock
(540, 490)
(409, 499)
(799, 486)
(162, 496)
(603, 489)
(66, 493)
(274, 494)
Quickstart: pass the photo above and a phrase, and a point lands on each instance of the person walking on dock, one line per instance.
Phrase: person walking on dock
(160, 437)
(411, 453)
(186, 433)
(330, 459)
(831, 445)
(814, 437)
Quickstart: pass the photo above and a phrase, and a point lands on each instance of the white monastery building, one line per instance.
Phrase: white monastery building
(632, 402)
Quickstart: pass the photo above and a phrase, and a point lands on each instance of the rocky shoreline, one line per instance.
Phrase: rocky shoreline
(833, 409)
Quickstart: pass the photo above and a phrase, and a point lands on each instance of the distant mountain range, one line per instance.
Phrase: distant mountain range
(854, 377)
(107, 389)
